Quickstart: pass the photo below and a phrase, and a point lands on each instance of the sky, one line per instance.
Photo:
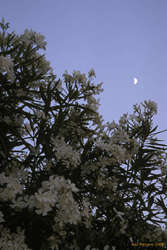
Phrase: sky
(120, 39)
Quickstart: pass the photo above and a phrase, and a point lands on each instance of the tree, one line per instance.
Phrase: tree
(67, 179)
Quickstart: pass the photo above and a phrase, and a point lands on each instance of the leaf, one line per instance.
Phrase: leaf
(162, 131)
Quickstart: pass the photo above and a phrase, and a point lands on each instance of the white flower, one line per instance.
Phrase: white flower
(56, 192)
(65, 152)
(19, 203)
(6, 65)
(13, 186)
(98, 89)
(44, 201)
(81, 78)
(43, 66)
(104, 146)
(111, 126)
(68, 209)
(12, 241)
(133, 117)
(119, 152)
(31, 37)
(123, 119)
(92, 73)
(152, 106)
(93, 103)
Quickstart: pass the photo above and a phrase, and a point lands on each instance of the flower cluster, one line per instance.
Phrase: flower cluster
(10, 185)
(12, 241)
(64, 152)
(31, 37)
(6, 66)
(56, 192)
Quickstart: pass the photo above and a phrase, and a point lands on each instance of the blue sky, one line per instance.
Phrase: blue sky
(120, 39)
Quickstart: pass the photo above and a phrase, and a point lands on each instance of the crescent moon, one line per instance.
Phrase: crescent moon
(135, 80)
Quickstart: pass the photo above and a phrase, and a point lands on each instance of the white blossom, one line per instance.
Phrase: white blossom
(44, 201)
(93, 103)
(56, 192)
(6, 65)
(44, 66)
(123, 119)
(111, 125)
(92, 73)
(65, 152)
(77, 76)
(68, 209)
(151, 106)
(31, 37)
(67, 77)
(20, 202)
(119, 152)
(12, 241)
(13, 186)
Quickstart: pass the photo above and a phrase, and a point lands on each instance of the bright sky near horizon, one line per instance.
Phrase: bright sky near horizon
(120, 39)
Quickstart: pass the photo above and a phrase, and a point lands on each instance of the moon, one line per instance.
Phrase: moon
(135, 80)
